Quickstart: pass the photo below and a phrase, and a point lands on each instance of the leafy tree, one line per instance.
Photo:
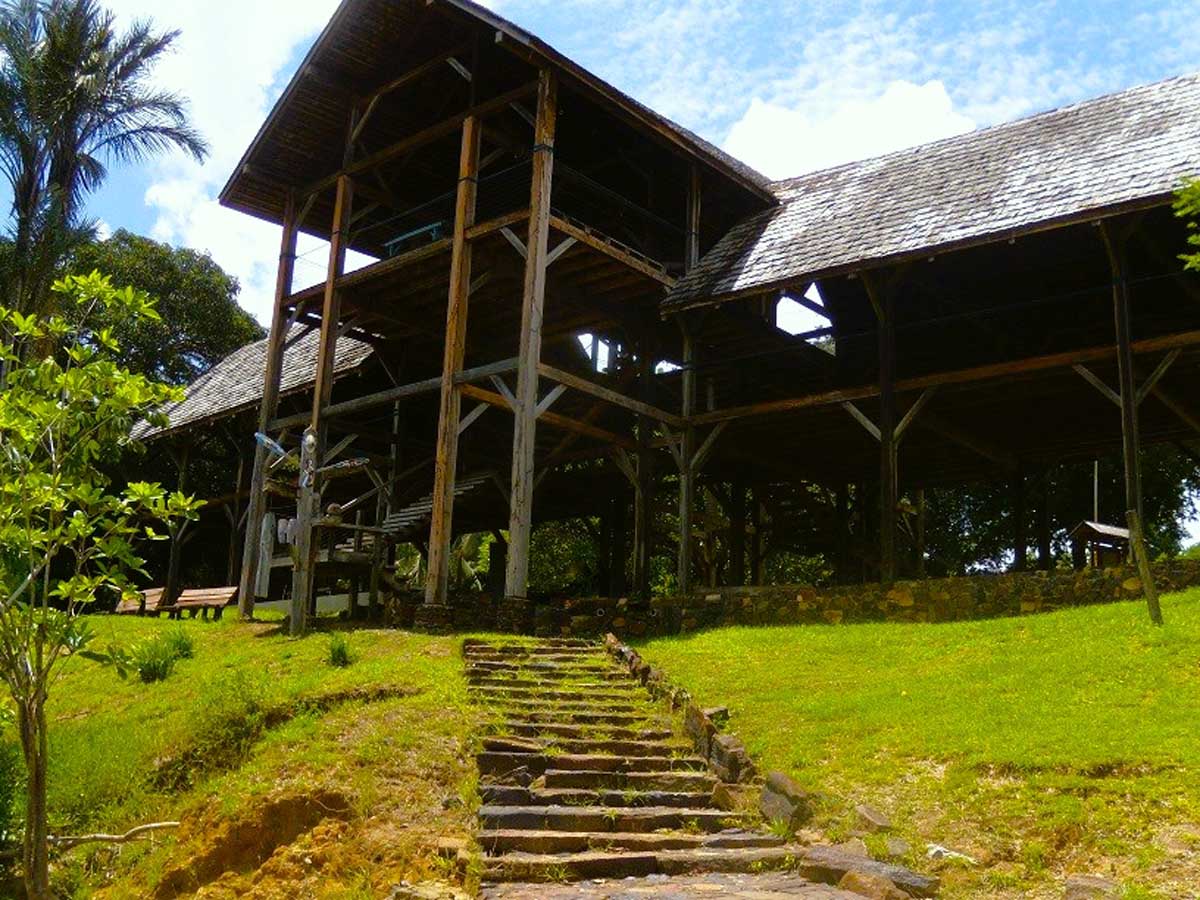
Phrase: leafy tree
(1187, 206)
(75, 93)
(199, 321)
(65, 534)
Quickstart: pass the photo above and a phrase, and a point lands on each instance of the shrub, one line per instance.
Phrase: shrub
(154, 660)
(339, 651)
(180, 643)
(12, 775)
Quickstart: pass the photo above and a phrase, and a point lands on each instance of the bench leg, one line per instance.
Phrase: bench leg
(217, 613)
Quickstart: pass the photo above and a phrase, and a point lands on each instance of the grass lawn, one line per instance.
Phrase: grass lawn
(250, 744)
(1041, 746)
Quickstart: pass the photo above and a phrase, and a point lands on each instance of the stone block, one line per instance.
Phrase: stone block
(872, 887)
(872, 819)
(828, 865)
(729, 758)
(783, 800)
(1090, 887)
(699, 728)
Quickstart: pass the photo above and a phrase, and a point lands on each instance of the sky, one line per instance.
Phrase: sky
(787, 86)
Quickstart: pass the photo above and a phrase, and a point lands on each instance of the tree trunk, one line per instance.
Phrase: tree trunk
(32, 722)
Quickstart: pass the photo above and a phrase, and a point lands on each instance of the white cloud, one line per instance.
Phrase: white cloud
(782, 141)
(228, 62)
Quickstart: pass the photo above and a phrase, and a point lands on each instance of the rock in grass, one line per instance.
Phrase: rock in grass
(1090, 887)
(872, 819)
(873, 887)
(783, 800)
(898, 847)
(829, 865)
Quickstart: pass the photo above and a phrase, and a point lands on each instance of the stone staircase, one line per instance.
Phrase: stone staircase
(583, 776)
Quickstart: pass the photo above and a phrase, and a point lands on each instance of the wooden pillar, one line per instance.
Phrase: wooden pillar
(309, 505)
(617, 584)
(268, 406)
(437, 583)
(757, 550)
(177, 531)
(1045, 551)
(520, 526)
(687, 452)
(882, 298)
(737, 532)
(921, 532)
(643, 498)
(605, 552)
(1020, 522)
(231, 569)
(1113, 244)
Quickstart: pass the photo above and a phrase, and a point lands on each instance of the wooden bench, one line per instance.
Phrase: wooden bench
(202, 600)
(131, 606)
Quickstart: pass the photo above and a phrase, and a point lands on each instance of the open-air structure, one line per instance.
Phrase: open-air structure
(994, 303)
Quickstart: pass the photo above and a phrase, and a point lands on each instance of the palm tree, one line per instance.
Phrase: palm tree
(75, 94)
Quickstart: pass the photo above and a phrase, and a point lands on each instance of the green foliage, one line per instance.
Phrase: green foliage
(1039, 740)
(76, 94)
(1187, 207)
(66, 536)
(11, 777)
(153, 660)
(339, 651)
(199, 320)
(180, 641)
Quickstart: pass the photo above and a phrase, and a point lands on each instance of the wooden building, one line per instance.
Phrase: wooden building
(995, 302)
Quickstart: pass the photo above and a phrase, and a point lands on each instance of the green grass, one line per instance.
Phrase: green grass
(255, 715)
(1041, 745)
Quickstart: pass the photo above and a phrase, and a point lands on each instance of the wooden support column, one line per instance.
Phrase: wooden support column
(231, 569)
(921, 507)
(177, 530)
(882, 299)
(437, 582)
(737, 532)
(520, 527)
(643, 497)
(618, 585)
(1114, 245)
(267, 409)
(687, 473)
(1045, 551)
(1020, 522)
(309, 502)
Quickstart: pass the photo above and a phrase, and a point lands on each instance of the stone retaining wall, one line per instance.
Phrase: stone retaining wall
(931, 600)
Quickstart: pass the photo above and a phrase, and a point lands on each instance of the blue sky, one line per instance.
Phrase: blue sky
(787, 86)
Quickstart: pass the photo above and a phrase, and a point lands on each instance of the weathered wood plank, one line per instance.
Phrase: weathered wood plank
(587, 386)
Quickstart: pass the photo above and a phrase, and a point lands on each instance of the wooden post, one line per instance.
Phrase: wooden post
(520, 526)
(756, 542)
(617, 585)
(1045, 551)
(1113, 244)
(692, 255)
(1137, 540)
(643, 499)
(267, 409)
(687, 473)
(437, 582)
(309, 502)
(737, 532)
(882, 298)
(177, 531)
(231, 569)
(1020, 523)
(921, 507)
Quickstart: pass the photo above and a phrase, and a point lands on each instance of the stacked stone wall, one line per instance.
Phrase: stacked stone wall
(931, 600)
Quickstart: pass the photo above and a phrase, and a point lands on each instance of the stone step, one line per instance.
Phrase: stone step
(757, 885)
(668, 749)
(552, 867)
(592, 779)
(604, 818)
(514, 795)
(589, 717)
(562, 707)
(496, 695)
(581, 731)
(496, 842)
(539, 684)
(545, 660)
(605, 760)
(527, 647)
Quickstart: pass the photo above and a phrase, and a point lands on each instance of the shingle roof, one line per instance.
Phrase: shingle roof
(235, 383)
(1125, 149)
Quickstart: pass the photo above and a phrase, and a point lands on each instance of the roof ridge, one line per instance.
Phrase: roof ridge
(784, 184)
